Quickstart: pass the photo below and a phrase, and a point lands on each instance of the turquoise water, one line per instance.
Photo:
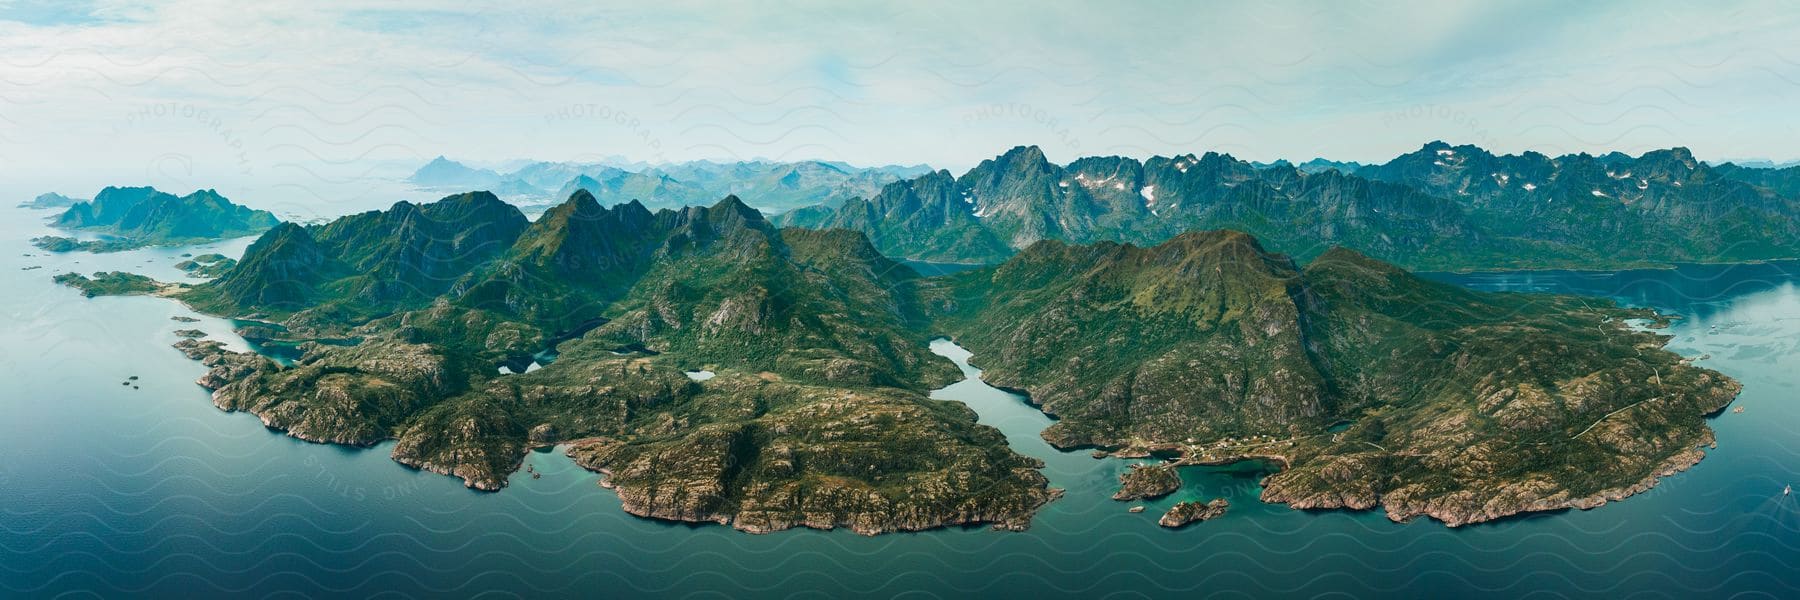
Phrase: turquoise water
(152, 491)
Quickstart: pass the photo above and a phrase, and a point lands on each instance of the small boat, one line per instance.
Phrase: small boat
(1739, 409)
(1788, 489)
(1135, 509)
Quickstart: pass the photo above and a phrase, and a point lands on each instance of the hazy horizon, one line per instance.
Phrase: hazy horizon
(187, 94)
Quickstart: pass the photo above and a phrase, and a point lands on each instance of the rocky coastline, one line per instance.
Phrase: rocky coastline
(1147, 482)
(857, 511)
(1190, 512)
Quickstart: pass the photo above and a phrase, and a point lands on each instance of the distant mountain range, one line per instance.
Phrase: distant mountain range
(1317, 165)
(134, 217)
(768, 186)
(1442, 207)
(1756, 163)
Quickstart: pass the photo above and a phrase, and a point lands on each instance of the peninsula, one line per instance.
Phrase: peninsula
(421, 323)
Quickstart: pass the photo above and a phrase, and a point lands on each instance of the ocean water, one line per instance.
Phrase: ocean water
(110, 490)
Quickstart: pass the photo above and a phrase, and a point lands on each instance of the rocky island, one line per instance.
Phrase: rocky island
(1462, 406)
(1147, 482)
(110, 283)
(817, 416)
(50, 200)
(207, 266)
(420, 324)
(135, 217)
(1188, 513)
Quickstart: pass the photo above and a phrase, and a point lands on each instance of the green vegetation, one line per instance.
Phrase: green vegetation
(55, 243)
(1467, 406)
(209, 266)
(50, 200)
(138, 217)
(817, 417)
(1440, 208)
(109, 283)
(1464, 406)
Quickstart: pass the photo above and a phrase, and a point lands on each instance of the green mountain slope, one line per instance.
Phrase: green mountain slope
(1464, 406)
(816, 417)
(721, 369)
(1663, 206)
(1007, 203)
(139, 217)
(1440, 208)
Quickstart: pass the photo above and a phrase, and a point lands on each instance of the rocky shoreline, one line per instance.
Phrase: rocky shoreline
(1188, 513)
(1451, 514)
(1475, 509)
(645, 504)
(1487, 507)
(1141, 482)
(819, 418)
(863, 514)
(1147, 482)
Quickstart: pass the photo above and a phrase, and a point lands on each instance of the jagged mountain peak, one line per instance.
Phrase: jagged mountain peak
(730, 208)
(1676, 156)
(1030, 153)
(1018, 159)
(582, 201)
(475, 205)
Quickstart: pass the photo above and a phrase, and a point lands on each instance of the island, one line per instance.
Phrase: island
(134, 217)
(470, 335)
(816, 415)
(110, 283)
(1190, 512)
(207, 266)
(1144, 482)
(50, 200)
(1462, 406)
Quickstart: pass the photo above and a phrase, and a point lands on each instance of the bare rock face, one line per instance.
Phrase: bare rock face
(1147, 481)
(1185, 513)
(196, 349)
(474, 441)
(873, 461)
(543, 434)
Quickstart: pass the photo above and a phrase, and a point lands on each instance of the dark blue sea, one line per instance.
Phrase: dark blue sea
(111, 487)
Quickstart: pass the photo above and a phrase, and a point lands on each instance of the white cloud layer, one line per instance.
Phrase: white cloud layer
(311, 95)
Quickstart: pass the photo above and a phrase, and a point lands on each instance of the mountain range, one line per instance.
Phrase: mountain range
(1459, 405)
(1317, 165)
(134, 217)
(1442, 207)
(1757, 163)
(770, 186)
(718, 368)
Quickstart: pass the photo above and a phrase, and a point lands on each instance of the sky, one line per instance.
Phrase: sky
(314, 97)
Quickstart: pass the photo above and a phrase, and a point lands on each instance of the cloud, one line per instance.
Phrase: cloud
(309, 95)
